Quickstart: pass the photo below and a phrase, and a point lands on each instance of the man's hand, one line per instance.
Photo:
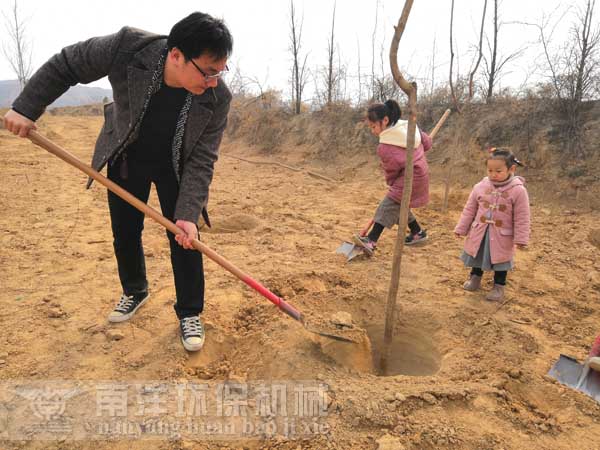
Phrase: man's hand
(190, 233)
(18, 124)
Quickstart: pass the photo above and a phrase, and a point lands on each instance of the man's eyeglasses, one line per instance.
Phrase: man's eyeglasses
(207, 76)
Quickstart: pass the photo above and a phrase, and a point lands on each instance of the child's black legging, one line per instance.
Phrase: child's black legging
(499, 275)
(378, 229)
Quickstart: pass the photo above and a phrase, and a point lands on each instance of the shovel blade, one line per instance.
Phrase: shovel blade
(350, 251)
(568, 371)
(329, 334)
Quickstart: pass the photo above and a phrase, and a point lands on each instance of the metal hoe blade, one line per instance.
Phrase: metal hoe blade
(329, 330)
(349, 250)
(570, 372)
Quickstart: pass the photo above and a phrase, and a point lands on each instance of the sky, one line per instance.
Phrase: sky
(261, 33)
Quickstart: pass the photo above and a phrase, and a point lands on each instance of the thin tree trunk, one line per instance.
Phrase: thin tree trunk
(411, 90)
(330, 57)
(373, 85)
(450, 76)
(492, 74)
(474, 71)
(295, 49)
(433, 67)
(359, 75)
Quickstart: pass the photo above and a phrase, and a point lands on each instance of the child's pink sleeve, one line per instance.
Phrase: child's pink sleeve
(468, 215)
(521, 218)
(426, 141)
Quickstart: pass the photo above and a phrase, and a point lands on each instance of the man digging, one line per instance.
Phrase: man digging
(164, 127)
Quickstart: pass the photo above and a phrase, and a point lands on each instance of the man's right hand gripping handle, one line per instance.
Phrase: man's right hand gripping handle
(18, 124)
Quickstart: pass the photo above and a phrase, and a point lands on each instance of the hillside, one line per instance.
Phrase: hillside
(337, 139)
(75, 96)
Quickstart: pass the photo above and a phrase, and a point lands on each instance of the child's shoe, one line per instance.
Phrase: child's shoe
(473, 283)
(416, 238)
(496, 294)
(365, 243)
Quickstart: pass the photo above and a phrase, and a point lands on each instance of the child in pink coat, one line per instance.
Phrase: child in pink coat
(495, 218)
(383, 120)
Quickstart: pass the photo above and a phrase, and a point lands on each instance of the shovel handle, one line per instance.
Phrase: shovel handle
(366, 229)
(439, 124)
(71, 159)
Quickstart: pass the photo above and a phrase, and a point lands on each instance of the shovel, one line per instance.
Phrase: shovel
(570, 372)
(71, 159)
(350, 250)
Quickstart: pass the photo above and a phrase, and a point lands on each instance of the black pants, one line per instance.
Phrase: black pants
(128, 223)
(499, 275)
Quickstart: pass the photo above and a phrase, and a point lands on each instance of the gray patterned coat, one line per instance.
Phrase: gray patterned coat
(129, 58)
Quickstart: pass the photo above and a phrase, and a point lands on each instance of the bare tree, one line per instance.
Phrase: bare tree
(299, 74)
(480, 55)
(330, 55)
(373, 83)
(496, 63)
(330, 79)
(491, 72)
(359, 73)
(236, 82)
(433, 66)
(16, 48)
(450, 76)
(584, 54)
(574, 70)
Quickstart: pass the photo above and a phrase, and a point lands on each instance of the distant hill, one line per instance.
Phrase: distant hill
(76, 96)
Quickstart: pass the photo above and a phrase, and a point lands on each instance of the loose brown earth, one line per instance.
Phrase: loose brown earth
(467, 374)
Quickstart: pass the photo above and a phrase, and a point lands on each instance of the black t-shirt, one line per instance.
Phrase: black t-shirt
(155, 138)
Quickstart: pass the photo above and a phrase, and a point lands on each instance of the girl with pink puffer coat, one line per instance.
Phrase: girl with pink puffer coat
(495, 218)
(384, 121)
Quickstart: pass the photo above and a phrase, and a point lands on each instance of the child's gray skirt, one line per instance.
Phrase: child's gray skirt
(388, 213)
(483, 259)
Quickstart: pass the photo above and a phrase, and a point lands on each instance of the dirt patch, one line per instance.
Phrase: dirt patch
(594, 238)
(232, 224)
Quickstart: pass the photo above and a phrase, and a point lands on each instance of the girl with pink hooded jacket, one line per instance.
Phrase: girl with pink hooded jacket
(495, 218)
(383, 120)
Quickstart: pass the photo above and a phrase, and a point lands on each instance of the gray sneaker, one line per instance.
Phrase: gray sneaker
(127, 307)
(192, 333)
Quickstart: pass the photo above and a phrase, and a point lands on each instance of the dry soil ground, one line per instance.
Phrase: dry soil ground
(466, 374)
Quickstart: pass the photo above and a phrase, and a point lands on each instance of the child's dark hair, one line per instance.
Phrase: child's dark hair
(389, 109)
(505, 155)
(201, 33)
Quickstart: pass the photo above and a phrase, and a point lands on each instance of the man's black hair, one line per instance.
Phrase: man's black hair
(201, 33)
